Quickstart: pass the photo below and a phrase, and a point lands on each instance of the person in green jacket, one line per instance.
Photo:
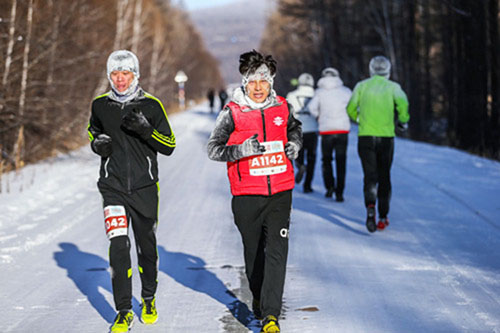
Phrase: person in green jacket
(372, 106)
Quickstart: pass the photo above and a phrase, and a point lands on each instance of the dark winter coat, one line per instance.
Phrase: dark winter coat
(133, 163)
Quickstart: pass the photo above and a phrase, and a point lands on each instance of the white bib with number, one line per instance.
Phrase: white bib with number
(115, 221)
(272, 162)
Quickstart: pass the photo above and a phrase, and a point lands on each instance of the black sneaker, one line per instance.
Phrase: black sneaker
(339, 198)
(256, 309)
(329, 192)
(300, 173)
(371, 225)
(308, 189)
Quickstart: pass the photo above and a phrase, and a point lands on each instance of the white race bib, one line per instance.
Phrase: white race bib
(115, 221)
(272, 162)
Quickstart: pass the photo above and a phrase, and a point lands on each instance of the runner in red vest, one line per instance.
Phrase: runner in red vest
(257, 135)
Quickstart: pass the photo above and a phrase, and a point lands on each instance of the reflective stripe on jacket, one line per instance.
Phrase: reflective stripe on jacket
(133, 162)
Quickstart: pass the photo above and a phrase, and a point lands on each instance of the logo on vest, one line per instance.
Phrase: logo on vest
(278, 121)
(284, 233)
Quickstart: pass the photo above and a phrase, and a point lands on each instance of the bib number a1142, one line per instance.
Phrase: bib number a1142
(115, 221)
(272, 162)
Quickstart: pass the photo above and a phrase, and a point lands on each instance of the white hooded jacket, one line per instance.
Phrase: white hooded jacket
(298, 98)
(329, 106)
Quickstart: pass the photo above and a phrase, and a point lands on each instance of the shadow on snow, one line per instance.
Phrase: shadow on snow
(89, 272)
(190, 271)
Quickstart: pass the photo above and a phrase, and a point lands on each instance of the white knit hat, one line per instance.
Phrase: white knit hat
(123, 60)
(329, 71)
(380, 65)
(306, 79)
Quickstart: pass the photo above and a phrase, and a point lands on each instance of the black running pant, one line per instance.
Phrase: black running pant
(309, 146)
(329, 144)
(376, 154)
(141, 207)
(263, 222)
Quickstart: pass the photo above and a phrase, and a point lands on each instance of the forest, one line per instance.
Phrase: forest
(444, 53)
(53, 63)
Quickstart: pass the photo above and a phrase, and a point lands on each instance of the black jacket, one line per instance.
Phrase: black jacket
(133, 163)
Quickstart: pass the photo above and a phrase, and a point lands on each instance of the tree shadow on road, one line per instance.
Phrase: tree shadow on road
(190, 271)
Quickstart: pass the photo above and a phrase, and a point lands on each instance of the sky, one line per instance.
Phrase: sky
(436, 268)
(199, 4)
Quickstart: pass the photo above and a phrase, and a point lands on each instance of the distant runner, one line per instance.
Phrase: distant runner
(372, 106)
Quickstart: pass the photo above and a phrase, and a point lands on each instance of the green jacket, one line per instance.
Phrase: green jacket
(372, 106)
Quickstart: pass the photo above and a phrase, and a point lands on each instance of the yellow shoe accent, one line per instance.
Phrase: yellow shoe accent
(148, 314)
(270, 325)
(123, 322)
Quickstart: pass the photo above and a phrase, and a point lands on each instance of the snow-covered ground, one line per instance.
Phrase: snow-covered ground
(436, 268)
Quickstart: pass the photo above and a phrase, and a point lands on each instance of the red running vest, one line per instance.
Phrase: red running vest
(271, 125)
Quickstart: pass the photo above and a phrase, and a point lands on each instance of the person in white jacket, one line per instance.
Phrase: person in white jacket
(329, 107)
(299, 99)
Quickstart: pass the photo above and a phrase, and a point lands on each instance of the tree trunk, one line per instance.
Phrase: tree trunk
(494, 71)
(389, 40)
(136, 33)
(53, 55)
(10, 44)
(19, 146)
(475, 120)
(121, 6)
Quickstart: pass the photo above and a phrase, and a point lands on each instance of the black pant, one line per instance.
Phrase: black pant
(376, 154)
(142, 213)
(310, 144)
(263, 222)
(329, 143)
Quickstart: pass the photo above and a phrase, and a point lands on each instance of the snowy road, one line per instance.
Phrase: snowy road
(436, 268)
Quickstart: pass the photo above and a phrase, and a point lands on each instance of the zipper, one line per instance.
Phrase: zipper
(106, 168)
(126, 148)
(238, 169)
(265, 139)
(149, 167)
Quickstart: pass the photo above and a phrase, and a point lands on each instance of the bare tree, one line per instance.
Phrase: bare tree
(19, 146)
(10, 44)
(136, 34)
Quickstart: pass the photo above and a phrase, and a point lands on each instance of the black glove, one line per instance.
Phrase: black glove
(401, 127)
(291, 150)
(251, 146)
(136, 122)
(102, 145)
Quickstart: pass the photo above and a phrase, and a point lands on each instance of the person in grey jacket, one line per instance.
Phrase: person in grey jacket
(329, 106)
(258, 138)
(299, 100)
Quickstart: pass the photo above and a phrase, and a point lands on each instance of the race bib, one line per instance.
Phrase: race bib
(272, 162)
(115, 221)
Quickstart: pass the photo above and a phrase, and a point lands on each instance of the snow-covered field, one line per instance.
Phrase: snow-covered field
(436, 268)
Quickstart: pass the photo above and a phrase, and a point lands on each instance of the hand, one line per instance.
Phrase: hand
(136, 122)
(251, 146)
(401, 127)
(102, 145)
(292, 150)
